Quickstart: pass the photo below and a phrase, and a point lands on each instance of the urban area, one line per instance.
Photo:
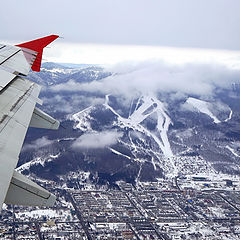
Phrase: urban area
(152, 210)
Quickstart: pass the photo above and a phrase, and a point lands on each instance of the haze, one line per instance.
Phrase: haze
(106, 26)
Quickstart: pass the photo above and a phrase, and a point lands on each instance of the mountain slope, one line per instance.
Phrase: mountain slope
(138, 137)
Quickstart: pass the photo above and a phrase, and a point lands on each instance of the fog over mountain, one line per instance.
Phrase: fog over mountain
(198, 79)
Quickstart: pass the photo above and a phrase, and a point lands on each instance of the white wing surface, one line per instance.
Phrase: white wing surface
(18, 97)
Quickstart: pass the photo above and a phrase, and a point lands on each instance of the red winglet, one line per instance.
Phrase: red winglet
(37, 46)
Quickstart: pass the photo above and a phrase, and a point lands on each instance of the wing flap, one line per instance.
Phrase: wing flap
(41, 119)
(23, 191)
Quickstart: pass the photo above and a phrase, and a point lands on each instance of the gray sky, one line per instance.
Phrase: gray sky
(178, 23)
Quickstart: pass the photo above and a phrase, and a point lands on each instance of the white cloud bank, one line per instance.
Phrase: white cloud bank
(97, 140)
(113, 54)
(154, 76)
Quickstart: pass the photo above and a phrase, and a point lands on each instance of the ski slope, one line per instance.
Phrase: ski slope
(145, 107)
(202, 107)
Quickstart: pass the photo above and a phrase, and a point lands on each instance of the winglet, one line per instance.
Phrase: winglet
(37, 46)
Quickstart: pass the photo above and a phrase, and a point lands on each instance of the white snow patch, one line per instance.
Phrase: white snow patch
(55, 156)
(60, 70)
(118, 153)
(230, 116)
(82, 119)
(232, 151)
(36, 161)
(203, 107)
(49, 213)
(149, 105)
(27, 165)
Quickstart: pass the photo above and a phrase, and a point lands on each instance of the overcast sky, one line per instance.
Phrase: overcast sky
(212, 24)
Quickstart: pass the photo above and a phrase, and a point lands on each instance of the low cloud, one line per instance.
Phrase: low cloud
(70, 103)
(154, 77)
(97, 140)
(38, 143)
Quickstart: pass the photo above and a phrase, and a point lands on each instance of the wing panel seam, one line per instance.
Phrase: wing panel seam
(10, 56)
(30, 191)
(14, 105)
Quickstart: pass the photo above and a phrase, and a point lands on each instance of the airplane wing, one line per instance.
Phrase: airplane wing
(18, 97)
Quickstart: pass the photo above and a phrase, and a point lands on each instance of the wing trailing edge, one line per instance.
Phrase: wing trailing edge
(41, 119)
(36, 48)
(23, 191)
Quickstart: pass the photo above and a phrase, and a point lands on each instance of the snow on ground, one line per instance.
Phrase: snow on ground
(217, 212)
(49, 213)
(214, 180)
(66, 139)
(79, 175)
(118, 153)
(230, 116)
(59, 70)
(134, 122)
(154, 164)
(149, 105)
(193, 165)
(27, 165)
(232, 151)
(203, 107)
(82, 119)
(54, 156)
(36, 161)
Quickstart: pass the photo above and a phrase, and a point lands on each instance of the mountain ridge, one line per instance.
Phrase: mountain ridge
(159, 136)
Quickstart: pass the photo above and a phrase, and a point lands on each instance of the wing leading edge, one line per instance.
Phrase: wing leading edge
(18, 97)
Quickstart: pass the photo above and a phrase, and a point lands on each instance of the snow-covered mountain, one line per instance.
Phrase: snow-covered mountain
(142, 136)
(54, 73)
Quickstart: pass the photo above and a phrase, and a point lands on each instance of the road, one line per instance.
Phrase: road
(160, 235)
(38, 231)
(85, 228)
